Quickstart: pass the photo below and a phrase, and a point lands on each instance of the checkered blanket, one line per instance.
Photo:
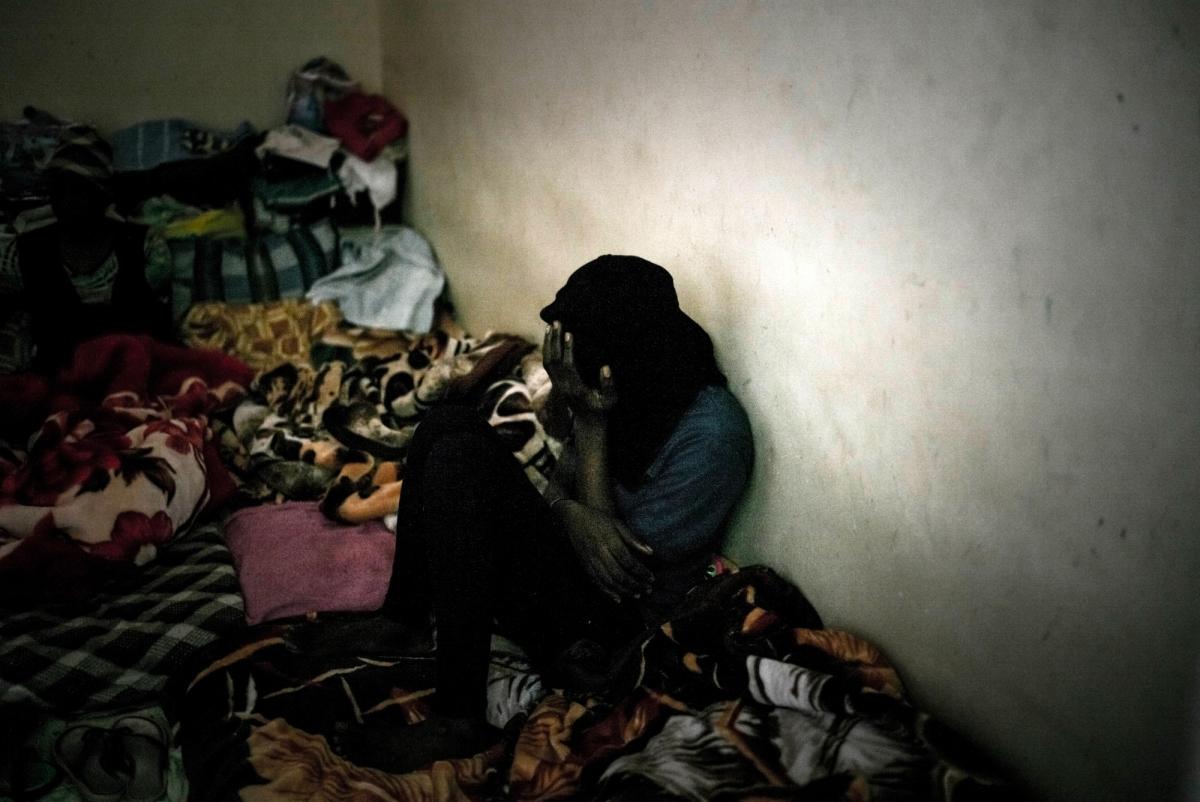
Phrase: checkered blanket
(119, 649)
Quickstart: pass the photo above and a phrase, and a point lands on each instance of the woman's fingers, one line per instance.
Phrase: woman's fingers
(618, 573)
(605, 396)
(568, 350)
(607, 385)
(623, 579)
(634, 541)
(636, 577)
(608, 579)
(552, 347)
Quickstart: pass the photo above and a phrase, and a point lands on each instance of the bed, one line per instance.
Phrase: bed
(743, 695)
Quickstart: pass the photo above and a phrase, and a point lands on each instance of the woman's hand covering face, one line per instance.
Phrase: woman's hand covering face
(558, 356)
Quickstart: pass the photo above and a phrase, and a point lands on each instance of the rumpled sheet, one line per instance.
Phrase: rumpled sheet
(741, 696)
(120, 461)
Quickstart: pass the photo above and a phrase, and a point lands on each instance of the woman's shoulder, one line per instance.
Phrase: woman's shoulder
(715, 408)
(713, 430)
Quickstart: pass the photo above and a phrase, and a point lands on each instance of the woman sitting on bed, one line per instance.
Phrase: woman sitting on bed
(658, 453)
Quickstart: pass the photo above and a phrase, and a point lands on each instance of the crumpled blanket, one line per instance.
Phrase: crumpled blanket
(389, 282)
(742, 695)
(122, 461)
(256, 712)
(263, 335)
(301, 766)
(339, 432)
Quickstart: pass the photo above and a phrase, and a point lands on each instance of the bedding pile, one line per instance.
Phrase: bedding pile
(115, 564)
(339, 432)
(742, 695)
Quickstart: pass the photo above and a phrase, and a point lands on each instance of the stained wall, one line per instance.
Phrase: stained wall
(948, 253)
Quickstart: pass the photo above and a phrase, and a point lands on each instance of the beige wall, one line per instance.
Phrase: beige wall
(216, 62)
(949, 256)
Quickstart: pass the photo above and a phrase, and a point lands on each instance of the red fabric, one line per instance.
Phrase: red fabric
(142, 365)
(366, 124)
(122, 456)
(121, 363)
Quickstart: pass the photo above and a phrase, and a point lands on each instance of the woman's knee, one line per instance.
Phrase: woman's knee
(448, 430)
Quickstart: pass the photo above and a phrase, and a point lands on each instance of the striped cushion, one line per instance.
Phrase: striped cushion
(265, 268)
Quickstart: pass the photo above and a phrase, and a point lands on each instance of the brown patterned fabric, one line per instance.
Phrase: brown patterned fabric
(262, 335)
(258, 712)
(562, 738)
(339, 432)
(741, 696)
(351, 343)
(299, 766)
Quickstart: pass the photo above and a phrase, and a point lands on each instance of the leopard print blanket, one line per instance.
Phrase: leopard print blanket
(339, 431)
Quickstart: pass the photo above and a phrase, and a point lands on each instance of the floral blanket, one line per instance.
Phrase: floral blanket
(743, 695)
(119, 461)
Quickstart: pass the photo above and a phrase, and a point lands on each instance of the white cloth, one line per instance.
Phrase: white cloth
(390, 282)
(378, 178)
(299, 144)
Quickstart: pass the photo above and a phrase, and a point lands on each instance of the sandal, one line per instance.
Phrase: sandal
(143, 743)
(93, 761)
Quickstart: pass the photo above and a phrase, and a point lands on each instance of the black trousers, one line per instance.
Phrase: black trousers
(477, 544)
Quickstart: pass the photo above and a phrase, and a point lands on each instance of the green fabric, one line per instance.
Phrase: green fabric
(158, 261)
(158, 211)
(96, 287)
(298, 191)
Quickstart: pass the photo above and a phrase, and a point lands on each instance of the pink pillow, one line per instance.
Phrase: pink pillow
(292, 560)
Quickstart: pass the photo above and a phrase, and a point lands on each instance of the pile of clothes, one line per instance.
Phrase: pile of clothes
(127, 233)
(147, 277)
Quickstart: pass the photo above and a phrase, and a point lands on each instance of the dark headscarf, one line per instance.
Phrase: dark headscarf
(622, 311)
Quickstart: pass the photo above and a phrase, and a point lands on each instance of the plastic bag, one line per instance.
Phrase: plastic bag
(317, 81)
